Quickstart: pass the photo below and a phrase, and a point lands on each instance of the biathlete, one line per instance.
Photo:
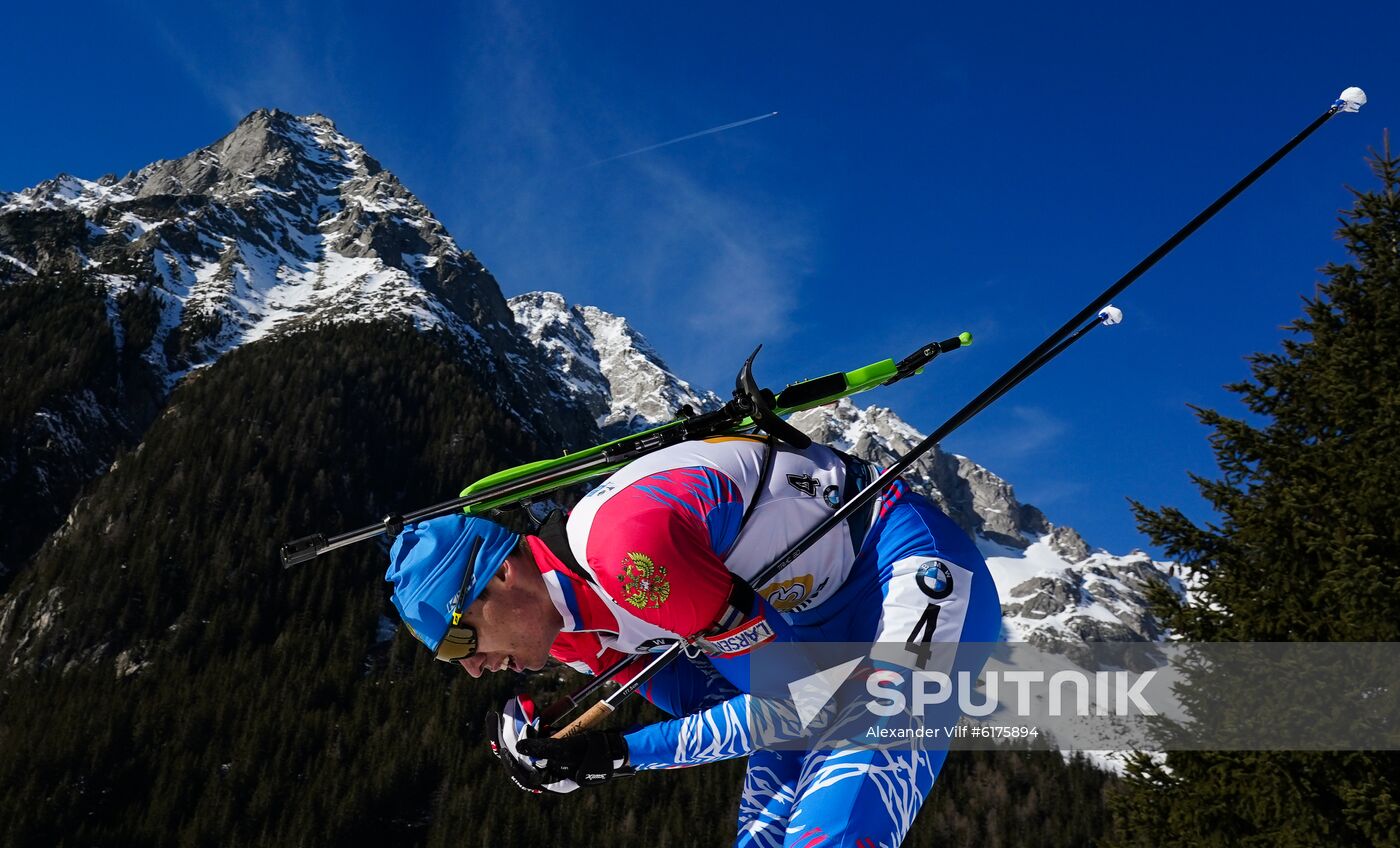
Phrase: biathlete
(663, 550)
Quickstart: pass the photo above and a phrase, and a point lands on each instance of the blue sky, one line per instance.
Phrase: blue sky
(930, 171)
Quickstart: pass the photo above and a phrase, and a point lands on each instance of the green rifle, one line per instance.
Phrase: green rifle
(751, 408)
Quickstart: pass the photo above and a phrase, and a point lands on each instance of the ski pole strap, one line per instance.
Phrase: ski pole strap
(739, 639)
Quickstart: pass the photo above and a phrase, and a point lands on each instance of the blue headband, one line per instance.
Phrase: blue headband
(428, 569)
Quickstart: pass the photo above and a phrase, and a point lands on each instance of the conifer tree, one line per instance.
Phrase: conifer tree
(1307, 548)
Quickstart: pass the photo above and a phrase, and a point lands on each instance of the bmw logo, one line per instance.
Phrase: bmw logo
(935, 579)
(832, 496)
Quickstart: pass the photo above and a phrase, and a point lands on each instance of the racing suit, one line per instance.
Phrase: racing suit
(657, 552)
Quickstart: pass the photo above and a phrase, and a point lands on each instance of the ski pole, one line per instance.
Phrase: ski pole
(1350, 100)
(1108, 316)
(604, 708)
(571, 701)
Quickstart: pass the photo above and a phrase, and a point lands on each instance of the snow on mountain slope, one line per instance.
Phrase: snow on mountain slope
(1054, 588)
(608, 365)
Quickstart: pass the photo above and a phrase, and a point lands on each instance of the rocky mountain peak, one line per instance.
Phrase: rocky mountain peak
(610, 368)
(282, 224)
(268, 149)
(275, 155)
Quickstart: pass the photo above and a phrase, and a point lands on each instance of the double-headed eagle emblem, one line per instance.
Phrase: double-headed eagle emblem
(644, 583)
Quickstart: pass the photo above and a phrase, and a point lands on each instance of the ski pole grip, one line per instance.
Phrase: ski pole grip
(303, 550)
(586, 722)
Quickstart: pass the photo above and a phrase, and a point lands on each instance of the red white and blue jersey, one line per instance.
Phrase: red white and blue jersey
(665, 537)
(664, 542)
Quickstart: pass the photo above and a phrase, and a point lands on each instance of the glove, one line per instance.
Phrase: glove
(505, 730)
(583, 759)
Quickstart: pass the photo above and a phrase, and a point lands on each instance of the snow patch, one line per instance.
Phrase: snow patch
(23, 267)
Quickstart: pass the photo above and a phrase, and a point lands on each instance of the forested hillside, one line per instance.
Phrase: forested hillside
(71, 396)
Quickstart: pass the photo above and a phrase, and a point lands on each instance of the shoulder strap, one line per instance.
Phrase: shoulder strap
(770, 448)
(552, 532)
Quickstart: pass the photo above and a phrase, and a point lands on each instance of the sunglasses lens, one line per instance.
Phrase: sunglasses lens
(458, 644)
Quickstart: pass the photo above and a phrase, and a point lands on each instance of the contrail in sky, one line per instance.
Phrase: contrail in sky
(710, 131)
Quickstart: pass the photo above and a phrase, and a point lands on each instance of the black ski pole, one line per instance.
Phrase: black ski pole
(605, 707)
(1109, 316)
(1076, 328)
(572, 700)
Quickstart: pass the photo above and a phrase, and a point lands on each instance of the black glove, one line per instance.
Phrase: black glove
(501, 733)
(584, 758)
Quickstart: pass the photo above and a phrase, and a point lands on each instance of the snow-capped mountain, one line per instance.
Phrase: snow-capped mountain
(282, 224)
(1055, 589)
(608, 366)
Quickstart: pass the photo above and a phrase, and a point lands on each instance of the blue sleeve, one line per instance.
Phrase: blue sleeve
(687, 686)
(722, 730)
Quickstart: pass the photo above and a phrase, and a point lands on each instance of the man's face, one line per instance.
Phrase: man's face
(514, 619)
